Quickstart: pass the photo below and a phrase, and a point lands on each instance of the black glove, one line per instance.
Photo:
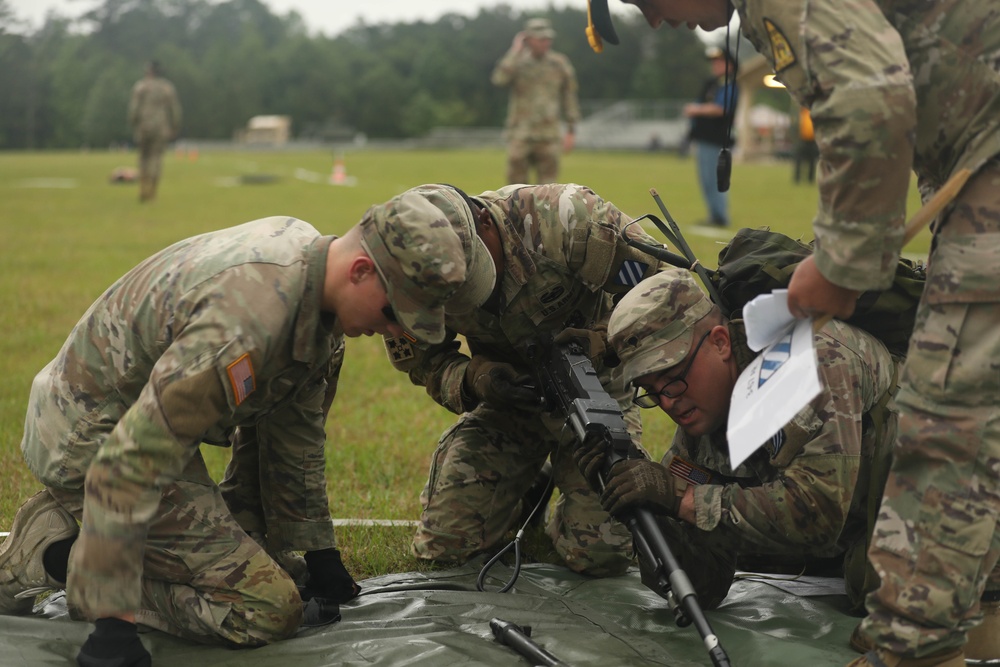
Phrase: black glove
(113, 643)
(594, 343)
(499, 384)
(642, 483)
(328, 578)
(590, 456)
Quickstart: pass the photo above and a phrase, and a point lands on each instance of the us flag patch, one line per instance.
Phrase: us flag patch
(689, 471)
(630, 272)
(241, 378)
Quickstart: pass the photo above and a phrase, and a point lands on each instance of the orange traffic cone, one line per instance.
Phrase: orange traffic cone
(339, 174)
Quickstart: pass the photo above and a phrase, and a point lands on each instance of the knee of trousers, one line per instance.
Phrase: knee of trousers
(266, 613)
(607, 553)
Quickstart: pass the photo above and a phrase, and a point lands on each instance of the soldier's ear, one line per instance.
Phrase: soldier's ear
(720, 339)
(361, 268)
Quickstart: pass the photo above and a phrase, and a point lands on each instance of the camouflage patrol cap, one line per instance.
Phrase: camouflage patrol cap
(651, 328)
(426, 249)
(541, 28)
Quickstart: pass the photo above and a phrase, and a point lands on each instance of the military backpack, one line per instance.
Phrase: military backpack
(758, 261)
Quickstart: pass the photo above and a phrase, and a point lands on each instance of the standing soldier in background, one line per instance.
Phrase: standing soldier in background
(542, 95)
(154, 114)
(893, 88)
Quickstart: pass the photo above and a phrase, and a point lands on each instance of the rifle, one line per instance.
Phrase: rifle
(519, 639)
(569, 383)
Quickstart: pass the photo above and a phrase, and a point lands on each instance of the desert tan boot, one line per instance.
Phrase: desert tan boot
(39, 523)
(984, 639)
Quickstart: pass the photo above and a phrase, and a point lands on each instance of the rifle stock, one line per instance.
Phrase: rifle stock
(569, 384)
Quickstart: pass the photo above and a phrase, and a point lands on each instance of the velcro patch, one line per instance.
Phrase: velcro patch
(781, 50)
(630, 272)
(241, 378)
(689, 472)
(774, 444)
(398, 349)
(774, 358)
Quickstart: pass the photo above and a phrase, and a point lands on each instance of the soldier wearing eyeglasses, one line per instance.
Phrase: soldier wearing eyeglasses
(804, 500)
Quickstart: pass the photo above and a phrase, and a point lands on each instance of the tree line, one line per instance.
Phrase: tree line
(67, 84)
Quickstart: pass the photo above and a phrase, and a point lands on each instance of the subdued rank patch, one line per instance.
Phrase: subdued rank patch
(781, 50)
(398, 349)
(774, 359)
(241, 377)
(774, 444)
(630, 272)
(689, 472)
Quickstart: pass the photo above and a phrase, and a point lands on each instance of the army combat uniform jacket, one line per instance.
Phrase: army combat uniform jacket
(154, 112)
(217, 332)
(543, 92)
(805, 494)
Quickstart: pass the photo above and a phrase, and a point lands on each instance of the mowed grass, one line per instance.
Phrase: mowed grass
(67, 233)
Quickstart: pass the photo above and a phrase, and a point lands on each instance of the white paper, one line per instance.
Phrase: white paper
(773, 389)
(766, 318)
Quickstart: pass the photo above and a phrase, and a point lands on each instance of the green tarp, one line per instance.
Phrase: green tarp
(440, 619)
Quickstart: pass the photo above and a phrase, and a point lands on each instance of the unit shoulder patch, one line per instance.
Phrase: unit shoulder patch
(781, 50)
(399, 349)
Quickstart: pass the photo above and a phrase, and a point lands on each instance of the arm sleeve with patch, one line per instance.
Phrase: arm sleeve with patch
(853, 74)
(439, 368)
(144, 453)
(598, 250)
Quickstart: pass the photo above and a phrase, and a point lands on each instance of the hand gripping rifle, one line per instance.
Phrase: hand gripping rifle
(569, 384)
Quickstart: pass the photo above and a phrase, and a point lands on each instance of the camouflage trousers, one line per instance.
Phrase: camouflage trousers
(936, 542)
(151, 148)
(479, 474)
(543, 155)
(204, 578)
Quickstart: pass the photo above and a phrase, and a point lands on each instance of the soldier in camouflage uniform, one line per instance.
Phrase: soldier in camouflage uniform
(543, 93)
(559, 252)
(895, 86)
(234, 337)
(803, 499)
(154, 114)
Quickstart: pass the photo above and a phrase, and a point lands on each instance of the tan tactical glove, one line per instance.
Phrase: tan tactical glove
(499, 384)
(642, 483)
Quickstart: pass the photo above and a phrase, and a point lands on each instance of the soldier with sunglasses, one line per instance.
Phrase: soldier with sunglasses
(803, 500)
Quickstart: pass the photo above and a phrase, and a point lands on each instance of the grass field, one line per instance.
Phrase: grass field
(67, 233)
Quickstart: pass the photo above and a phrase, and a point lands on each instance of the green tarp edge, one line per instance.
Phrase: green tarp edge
(438, 618)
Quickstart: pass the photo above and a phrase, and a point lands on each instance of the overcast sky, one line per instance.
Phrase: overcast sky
(327, 16)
